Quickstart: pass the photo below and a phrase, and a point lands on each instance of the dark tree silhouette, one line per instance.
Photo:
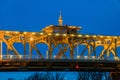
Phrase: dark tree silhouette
(37, 76)
(55, 76)
(46, 76)
(11, 79)
(93, 76)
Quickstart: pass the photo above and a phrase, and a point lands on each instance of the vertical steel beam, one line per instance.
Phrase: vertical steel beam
(37, 50)
(7, 52)
(89, 51)
(30, 51)
(50, 49)
(115, 47)
(24, 44)
(94, 48)
(72, 49)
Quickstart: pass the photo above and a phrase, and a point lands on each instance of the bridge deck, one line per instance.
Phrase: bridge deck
(60, 65)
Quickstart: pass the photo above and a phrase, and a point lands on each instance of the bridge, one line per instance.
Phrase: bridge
(67, 50)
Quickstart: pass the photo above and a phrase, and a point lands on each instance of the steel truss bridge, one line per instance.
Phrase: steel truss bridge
(67, 50)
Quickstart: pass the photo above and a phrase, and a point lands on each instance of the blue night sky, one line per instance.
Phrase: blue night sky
(95, 17)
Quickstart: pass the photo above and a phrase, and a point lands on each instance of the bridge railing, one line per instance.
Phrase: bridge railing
(35, 57)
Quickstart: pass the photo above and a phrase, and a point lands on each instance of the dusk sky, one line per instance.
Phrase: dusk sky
(94, 16)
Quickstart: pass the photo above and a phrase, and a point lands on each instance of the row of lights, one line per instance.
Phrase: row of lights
(79, 35)
(93, 57)
(85, 57)
(19, 32)
(31, 39)
(78, 57)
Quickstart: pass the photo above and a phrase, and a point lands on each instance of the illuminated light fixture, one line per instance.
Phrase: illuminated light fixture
(87, 36)
(25, 32)
(46, 27)
(101, 36)
(79, 35)
(41, 33)
(49, 34)
(51, 25)
(16, 32)
(115, 37)
(116, 58)
(78, 57)
(33, 32)
(7, 32)
(93, 57)
(72, 35)
(79, 27)
(31, 39)
(11, 56)
(1, 56)
(73, 26)
(85, 57)
(64, 34)
(20, 56)
(94, 35)
(108, 36)
(54, 57)
(57, 34)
